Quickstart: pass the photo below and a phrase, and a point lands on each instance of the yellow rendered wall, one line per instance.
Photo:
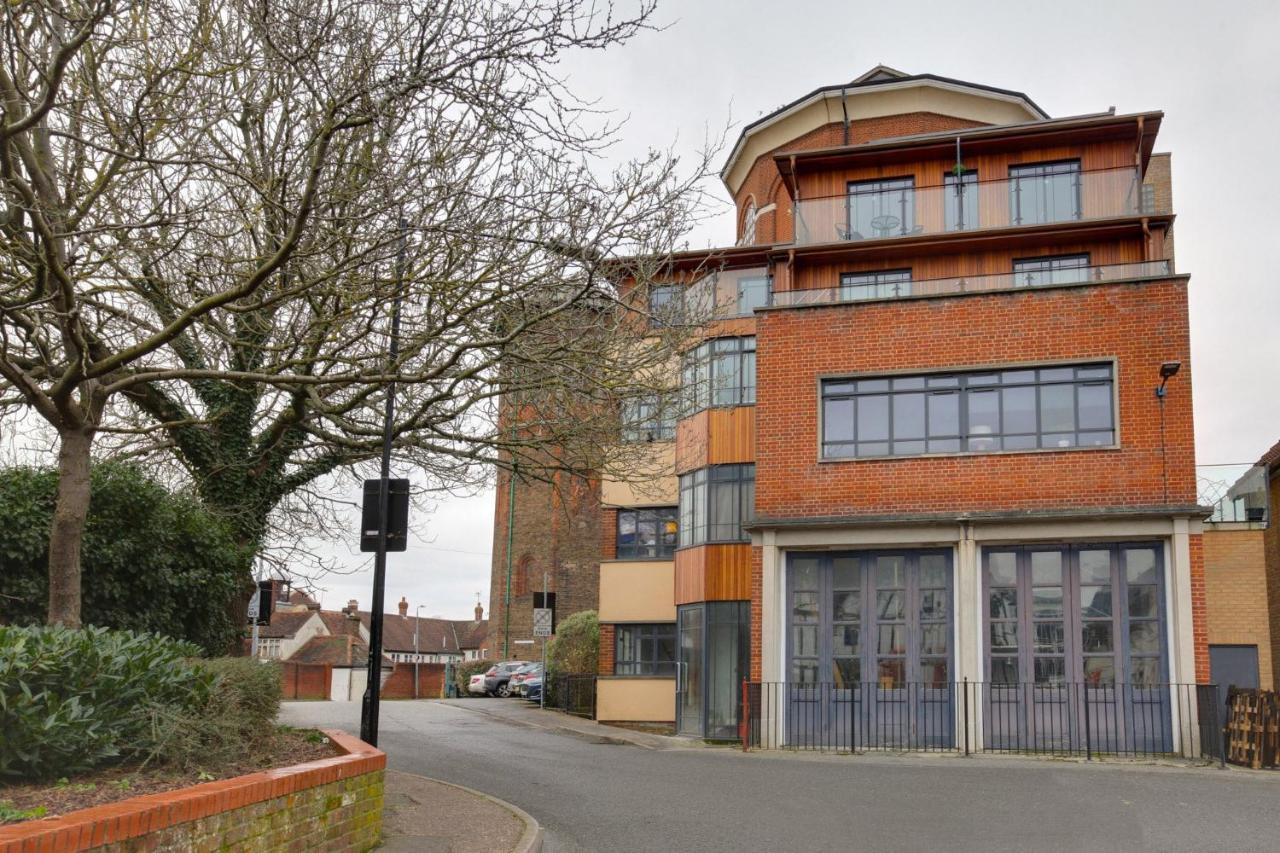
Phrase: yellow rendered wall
(637, 592)
(636, 700)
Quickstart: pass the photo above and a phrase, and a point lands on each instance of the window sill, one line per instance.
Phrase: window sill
(636, 677)
(639, 560)
(966, 454)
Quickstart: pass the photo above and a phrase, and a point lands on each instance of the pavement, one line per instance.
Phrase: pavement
(599, 788)
(431, 816)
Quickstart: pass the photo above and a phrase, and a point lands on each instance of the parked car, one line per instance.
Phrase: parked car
(526, 676)
(532, 688)
(518, 677)
(476, 685)
(499, 676)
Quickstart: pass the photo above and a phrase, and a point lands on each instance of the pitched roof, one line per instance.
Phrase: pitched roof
(285, 623)
(344, 650)
(435, 636)
(1271, 457)
(298, 598)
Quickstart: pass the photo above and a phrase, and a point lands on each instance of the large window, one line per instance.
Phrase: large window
(978, 412)
(715, 502)
(1055, 269)
(666, 304)
(648, 418)
(647, 534)
(887, 284)
(881, 208)
(753, 293)
(720, 372)
(1044, 192)
(961, 200)
(646, 650)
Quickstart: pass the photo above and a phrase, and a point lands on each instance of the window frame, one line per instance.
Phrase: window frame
(904, 185)
(658, 425)
(956, 382)
(879, 280)
(641, 666)
(1019, 172)
(675, 296)
(1047, 266)
(635, 550)
(734, 484)
(700, 385)
(968, 183)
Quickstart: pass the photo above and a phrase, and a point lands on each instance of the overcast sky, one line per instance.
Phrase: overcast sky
(1211, 67)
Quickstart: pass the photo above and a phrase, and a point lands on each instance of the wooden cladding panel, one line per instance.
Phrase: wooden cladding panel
(923, 267)
(716, 437)
(990, 167)
(713, 573)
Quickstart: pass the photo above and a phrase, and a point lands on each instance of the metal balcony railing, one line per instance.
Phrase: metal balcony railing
(1236, 492)
(969, 284)
(892, 209)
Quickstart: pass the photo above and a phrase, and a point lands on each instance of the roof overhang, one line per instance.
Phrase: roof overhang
(874, 98)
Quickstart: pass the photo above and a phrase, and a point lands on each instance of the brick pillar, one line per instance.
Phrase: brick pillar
(1199, 614)
(608, 646)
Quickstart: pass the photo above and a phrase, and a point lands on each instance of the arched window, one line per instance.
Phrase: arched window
(749, 217)
(520, 582)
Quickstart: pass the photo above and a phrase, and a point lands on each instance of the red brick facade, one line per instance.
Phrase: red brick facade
(1138, 325)
(608, 648)
(1199, 620)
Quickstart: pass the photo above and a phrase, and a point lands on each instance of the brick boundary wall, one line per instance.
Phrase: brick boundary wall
(305, 680)
(400, 683)
(1199, 611)
(331, 804)
(608, 647)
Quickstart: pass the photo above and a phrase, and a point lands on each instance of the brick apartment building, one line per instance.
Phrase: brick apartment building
(921, 441)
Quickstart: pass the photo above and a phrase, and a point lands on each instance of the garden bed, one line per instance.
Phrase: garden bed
(28, 801)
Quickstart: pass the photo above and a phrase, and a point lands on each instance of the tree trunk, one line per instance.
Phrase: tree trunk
(69, 514)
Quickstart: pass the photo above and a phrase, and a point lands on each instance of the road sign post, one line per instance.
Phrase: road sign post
(548, 619)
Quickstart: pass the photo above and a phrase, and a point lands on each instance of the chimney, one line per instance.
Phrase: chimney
(351, 607)
(403, 606)
(479, 612)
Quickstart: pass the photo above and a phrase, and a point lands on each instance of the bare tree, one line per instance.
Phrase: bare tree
(210, 205)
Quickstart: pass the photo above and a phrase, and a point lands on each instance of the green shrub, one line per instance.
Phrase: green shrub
(237, 718)
(72, 700)
(575, 649)
(462, 673)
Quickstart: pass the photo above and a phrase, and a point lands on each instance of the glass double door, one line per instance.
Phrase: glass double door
(714, 653)
(869, 649)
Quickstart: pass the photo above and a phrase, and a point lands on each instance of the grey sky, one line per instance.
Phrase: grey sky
(1210, 66)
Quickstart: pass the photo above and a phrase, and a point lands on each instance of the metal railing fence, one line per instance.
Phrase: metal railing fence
(1068, 718)
(572, 694)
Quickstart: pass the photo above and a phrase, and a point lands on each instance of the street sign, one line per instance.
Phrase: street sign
(252, 614)
(542, 621)
(397, 515)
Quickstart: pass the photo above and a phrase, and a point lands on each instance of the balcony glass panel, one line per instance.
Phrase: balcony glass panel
(1236, 492)
(1032, 194)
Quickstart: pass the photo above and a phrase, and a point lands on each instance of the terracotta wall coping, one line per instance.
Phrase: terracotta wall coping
(137, 816)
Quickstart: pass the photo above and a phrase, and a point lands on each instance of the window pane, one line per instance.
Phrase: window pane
(873, 418)
(844, 640)
(1095, 601)
(804, 607)
(1100, 671)
(1046, 568)
(933, 672)
(984, 412)
(1004, 670)
(837, 420)
(890, 606)
(892, 673)
(944, 414)
(1004, 603)
(1146, 672)
(1142, 602)
(846, 573)
(804, 672)
(1002, 568)
(1057, 409)
(1095, 406)
(846, 606)
(890, 572)
(804, 640)
(933, 639)
(1140, 565)
(1096, 637)
(846, 672)
(1046, 601)
(1050, 670)
(933, 570)
(1144, 637)
(1004, 637)
(908, 416)
(1095, 567)
(1050, 637)
(1019, 408)
(804, 572)
(892, 640)
(933, 604)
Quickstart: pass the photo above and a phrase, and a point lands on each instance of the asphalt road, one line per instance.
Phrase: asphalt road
(606, 797)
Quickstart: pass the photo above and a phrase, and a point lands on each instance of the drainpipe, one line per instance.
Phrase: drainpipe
(511, 520)
(844, 108)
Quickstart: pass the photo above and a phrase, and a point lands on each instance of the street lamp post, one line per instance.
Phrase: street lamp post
(416, 624)
(373, 685)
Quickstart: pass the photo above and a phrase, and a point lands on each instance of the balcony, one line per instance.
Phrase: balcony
(1027, 279)
(724, 294)
(1043, 194)
(1237, 493)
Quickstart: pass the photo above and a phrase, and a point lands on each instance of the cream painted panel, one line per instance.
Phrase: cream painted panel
(651, 480)
(637, 592)
(636, 700)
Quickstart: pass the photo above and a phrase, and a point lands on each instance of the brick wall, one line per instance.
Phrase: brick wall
(757, 611)
(305, 680)
(1199, 619)
(557, 530)
(399, 685)
(1140, 325)
(334, 804)
(1235, 570)
(608, 649)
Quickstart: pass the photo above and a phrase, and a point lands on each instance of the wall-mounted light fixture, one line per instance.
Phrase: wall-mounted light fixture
(1167, 370)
